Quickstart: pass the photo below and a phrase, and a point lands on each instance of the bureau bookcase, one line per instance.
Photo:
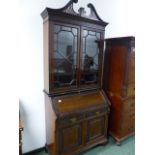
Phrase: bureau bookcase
(76, 107)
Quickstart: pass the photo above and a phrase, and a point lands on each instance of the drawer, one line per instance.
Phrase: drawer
(127, 128)
(130, 90)
(129, 105)
(95, 113)
(129, 117)
(66, 121)
(131, 68)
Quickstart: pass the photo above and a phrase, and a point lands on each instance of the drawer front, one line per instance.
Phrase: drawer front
(127, 128)
(129, 117)
(131, 69)
(129, 105)
(130, 90)
(70, 120)
(128, 123)
(96, 113)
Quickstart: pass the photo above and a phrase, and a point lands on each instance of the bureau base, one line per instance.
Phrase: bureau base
(103, 141)
(77, 123)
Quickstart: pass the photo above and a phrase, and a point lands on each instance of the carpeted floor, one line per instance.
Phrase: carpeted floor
(127, 148)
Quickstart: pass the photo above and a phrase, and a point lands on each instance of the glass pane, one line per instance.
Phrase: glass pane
(66, 28)
(85, 33)
(84, 45)
(98, 35)
(96, 60)
(56, 29)
(90, 60)
(65, 58)
(74, 30)
(91, 33)
(91, 46)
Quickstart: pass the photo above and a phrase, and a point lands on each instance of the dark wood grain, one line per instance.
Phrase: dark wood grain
(76, 115)
(93, 22)
(65, 103)
(81, 125)
(119, 85)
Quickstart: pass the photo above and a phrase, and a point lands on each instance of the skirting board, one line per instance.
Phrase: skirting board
(34, 151)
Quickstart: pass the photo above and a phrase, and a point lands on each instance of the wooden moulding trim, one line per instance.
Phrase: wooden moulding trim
(100, 141)
(107, 99)
(71, 92)
(34, 151)
(127, 41)
(81, 111)
(68, 9)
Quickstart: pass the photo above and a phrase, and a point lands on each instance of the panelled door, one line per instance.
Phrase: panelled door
(96, 128)
(70, 138)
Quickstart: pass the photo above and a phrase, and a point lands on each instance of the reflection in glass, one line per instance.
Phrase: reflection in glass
(66, 28)
(90, 57)
(85, 33)
(91, 33)
(65, 50)
(98, 35)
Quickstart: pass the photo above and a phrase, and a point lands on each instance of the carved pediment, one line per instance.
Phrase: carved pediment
(68, 9)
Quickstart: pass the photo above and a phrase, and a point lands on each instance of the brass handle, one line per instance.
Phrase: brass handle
(97, 113)
(73, 120)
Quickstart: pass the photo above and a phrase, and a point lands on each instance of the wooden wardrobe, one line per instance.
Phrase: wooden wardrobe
(119, 85)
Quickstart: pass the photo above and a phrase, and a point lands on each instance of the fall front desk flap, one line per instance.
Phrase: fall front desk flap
(79, 103)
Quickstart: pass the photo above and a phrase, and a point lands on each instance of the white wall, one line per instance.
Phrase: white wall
(118, 13)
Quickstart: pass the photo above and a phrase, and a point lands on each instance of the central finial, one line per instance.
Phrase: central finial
(82, 11)
(75, 1)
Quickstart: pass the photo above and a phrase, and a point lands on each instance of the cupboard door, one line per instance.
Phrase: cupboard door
(90, 58)
(64, 60)
(95, 128)
(70, 138)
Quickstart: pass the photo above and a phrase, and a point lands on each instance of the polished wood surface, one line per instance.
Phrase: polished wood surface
(119, 85)
(76, 130)
(70, 103)
(82, 23)
(76, 107)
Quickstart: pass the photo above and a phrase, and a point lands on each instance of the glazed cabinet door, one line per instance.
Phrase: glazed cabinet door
(90, 58)
(64, 59)
(70, 138)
